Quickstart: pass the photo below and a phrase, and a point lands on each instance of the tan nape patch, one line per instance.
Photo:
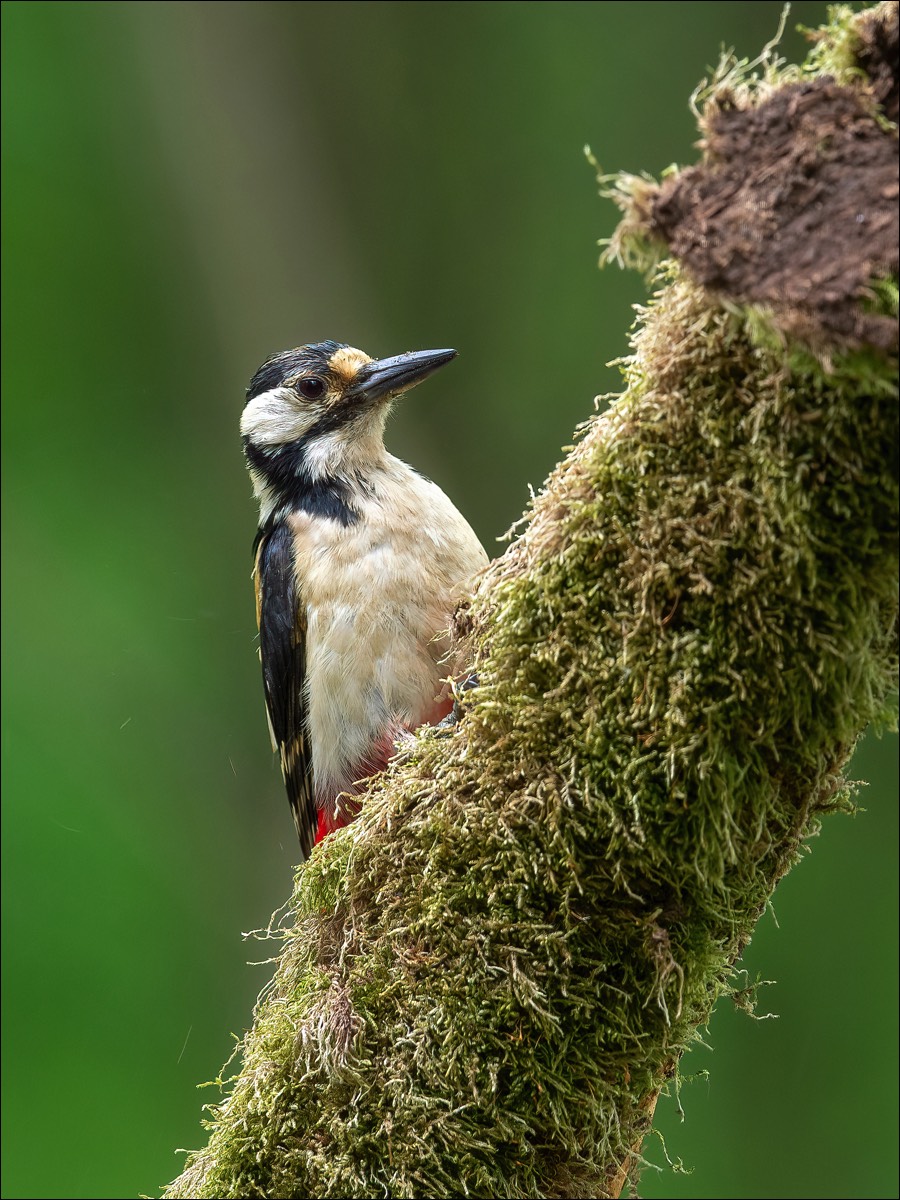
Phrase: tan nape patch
(346, 362)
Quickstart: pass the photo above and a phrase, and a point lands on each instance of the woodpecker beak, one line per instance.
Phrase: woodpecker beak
(391, 376)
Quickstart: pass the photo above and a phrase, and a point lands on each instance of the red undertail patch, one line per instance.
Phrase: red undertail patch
(335, 815)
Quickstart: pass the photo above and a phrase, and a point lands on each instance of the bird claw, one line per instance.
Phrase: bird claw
(453, 716)
(404, 742)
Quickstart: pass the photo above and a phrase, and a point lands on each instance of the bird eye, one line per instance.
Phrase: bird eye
(312, 387)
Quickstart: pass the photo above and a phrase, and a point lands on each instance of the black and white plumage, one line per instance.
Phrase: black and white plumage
(360, 563)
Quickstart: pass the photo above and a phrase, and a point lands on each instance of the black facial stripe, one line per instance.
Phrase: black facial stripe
(326, 498)
(344, 412)
(281, 367)
(284, 469)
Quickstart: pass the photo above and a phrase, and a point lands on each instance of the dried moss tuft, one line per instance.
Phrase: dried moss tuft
(495, 969)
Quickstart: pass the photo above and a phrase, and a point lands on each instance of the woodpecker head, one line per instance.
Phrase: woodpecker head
(317, 413)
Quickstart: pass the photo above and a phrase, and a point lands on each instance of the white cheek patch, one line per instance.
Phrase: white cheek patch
(324, 454)
(275, 417)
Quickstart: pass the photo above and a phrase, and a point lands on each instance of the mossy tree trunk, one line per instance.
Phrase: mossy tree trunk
(495, 970)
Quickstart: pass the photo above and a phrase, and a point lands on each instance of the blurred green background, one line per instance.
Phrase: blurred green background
(188, 187)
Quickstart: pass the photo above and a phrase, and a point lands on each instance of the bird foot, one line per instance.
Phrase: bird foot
(453, 716)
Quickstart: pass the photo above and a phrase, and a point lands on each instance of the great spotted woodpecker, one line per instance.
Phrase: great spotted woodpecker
(359, 565)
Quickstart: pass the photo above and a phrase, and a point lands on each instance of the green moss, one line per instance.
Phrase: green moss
(835, 46)
(497, 967)
(841, 44)
(884, 297)
(864, 369)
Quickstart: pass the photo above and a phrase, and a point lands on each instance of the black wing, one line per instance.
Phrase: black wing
(282, 650)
